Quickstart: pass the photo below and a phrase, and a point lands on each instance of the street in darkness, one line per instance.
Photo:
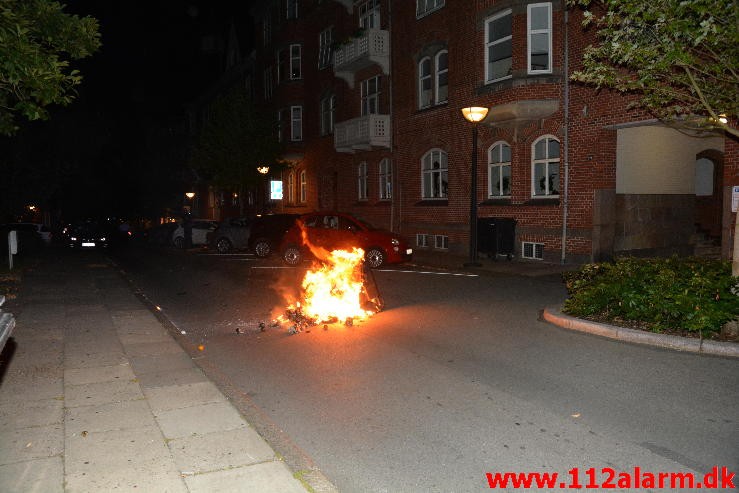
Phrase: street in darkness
(456, 378)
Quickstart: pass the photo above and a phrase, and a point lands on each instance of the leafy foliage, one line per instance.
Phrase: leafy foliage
(672, 293)
(680, 57)
(234, 141)
(37, 42)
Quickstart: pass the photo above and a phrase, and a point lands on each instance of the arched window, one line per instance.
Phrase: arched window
(362, 181)
(434, 175)
(442, 73)
(545, 167)
(303, 186)
(499, 170)
(385, 172)
(291, 188)
(424, 83)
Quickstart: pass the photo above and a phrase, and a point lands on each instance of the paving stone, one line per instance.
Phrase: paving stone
(169, 378)
(161, 363)
(32, 385)
(39, 475)
(81, 376)
(101, 393)
(153, 348)
(31, 443)
(24, 414)
(179, 396)
(113, 358)
(108, 417)
(220, 450)
(268, 477)
(206, 418)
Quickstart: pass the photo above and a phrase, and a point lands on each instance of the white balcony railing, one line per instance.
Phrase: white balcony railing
(362, 134)
(372, 47)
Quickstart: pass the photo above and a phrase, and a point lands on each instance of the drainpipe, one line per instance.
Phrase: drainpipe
(565, 138)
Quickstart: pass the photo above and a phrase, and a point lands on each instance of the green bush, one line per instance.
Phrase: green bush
(677, 293)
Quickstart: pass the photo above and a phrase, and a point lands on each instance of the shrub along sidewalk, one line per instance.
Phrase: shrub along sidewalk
(677, 295)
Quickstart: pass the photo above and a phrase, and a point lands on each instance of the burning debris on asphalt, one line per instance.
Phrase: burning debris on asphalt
(341, 289)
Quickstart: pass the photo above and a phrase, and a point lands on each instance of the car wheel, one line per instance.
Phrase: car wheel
(179, 241)
(292, 255)
(262, 248)
(374, 257)
(223, 245)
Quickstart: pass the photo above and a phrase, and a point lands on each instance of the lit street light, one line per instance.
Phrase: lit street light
(474, 114)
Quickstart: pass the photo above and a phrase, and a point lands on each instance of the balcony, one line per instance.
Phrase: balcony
(372, 47)
(363, 134)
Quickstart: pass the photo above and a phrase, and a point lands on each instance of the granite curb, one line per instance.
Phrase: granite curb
(554, 315)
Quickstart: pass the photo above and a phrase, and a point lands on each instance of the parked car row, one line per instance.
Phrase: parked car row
(285, 234)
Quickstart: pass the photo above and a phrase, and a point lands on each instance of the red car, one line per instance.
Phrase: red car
(334, 230)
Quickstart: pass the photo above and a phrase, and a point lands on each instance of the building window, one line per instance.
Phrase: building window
(498, 46)
(499, 170)
(328, 114)
(433, 85)
(545, 167)
(296, 123)
(532, 250)
(539, 29)
(292, 9)
(434, 175)
(267, 30)
(385, 171)
(369, 15)
(325, 38)
(280, 125)
(291, 188)
(303, 187)
(295, 72)
(424, 7)
(422, 240)
(441, 242)
(362, 181)
(371, 96)
(268, 83)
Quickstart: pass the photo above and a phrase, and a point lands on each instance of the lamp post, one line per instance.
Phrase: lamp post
(263, 170)
(474, 114)
(187, 221)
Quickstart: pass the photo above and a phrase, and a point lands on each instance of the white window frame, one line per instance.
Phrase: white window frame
(425, 77)
(438, 74)
(532, 250)
(530, 33)
(291, 9)
(291, 188)
(296, 53)
(437, 178)
(296, 123)
(325, 52)
(370, 101)
(362, 181)
(441, 242)
(548, 162)
(490, 44)
(422, 240)
(369, 14)
(385, 174)
(496, 167)
(328, 114)
(303, 186)
(425, 7)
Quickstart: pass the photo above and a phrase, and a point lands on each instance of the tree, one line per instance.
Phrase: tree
(37, 43)
(234, 141)
(680, 58)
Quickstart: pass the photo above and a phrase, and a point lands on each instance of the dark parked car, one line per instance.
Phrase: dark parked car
(161, 234)
(267, 232)
(231, 234)
(335, 230)
(87, 234)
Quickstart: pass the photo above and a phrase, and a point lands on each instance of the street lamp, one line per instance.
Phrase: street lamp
(474, 114)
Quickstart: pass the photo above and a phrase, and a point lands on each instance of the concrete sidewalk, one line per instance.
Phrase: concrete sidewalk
(96, 395)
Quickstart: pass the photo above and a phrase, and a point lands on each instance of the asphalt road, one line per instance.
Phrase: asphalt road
(456, 378)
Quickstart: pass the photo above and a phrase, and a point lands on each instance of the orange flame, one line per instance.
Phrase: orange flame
(334, 290)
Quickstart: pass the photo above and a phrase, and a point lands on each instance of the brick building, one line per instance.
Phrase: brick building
(368, 97)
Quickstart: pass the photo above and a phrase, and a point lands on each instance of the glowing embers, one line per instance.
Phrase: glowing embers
(339, 289)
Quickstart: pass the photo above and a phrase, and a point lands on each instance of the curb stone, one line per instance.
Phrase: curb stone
(554, 315)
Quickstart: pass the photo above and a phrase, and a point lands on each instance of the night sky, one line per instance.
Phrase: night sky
(119, 148)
